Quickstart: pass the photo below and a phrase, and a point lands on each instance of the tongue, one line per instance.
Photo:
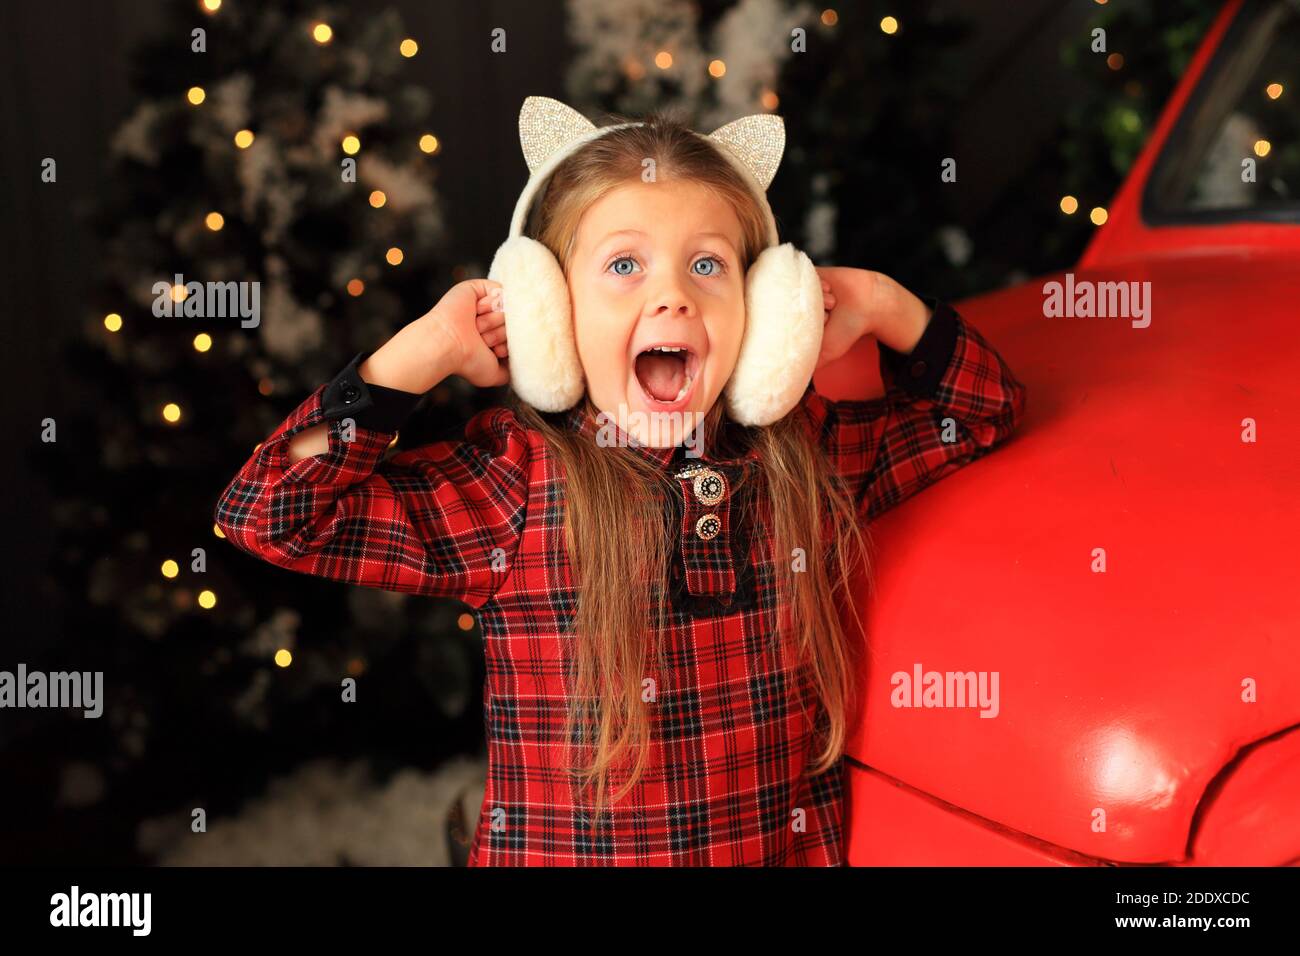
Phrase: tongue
(662, 375)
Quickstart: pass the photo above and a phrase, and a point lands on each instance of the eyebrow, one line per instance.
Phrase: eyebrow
(640, 232)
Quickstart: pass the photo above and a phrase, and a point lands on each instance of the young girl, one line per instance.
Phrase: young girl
(668, 679)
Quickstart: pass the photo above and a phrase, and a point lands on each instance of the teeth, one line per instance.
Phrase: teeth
(666, 348)
(685, 388)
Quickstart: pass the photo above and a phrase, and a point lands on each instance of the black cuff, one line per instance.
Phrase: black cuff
(920, 371)
(371, 406)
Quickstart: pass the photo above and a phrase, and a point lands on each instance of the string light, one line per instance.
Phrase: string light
(1069, 205)
(465, 622)
(633, 68)
(1273, 90)
(717, 68)
(663, 59)
(830, 18)
(211, 6)
(265, 386)
(409, 48)
(112, 322)
(283, 658)
(214, 221)
(322, 33)
(429, 143)
(351, 145)
(1098, 215)
(889, 25)
(1115, 61)
(218, 532)
(377, 198)
(207, 600)
(171, 412)
(244, 138)
(356, 287)
(195, 95)
(202, 342)
(394, 256)
(770, 100)
(170, 568)
(1262, 147)
(179, 293)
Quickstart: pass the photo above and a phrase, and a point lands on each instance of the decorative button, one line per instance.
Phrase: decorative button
(350, 393)
(710, 486)
(708, 526)
(918, 368)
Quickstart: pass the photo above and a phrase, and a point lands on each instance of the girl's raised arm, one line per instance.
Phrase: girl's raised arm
(948, 401)
(443, 519)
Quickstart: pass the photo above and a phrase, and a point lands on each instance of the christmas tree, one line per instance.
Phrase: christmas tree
(291, 159)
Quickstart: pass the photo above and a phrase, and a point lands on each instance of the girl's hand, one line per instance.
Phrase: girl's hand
(470, 316)
(860, 302)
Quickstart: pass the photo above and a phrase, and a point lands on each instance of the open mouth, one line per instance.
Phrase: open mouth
(667, 373)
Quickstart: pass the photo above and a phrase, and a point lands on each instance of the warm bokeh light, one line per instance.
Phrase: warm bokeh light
(1115, 61)
(195, 95)
(1262, 147)
(211, 6)
(1273, 90)
(429, 143)
(830, 18)
(283, 658)
(265, 386)
(214, 221)
(351, 145)
(202, 342)
(770, 100)
(889, 25)
(633, 68)
(179, 293)
(170, 568)
(663, 59)
(465, 622)
(409, 48)
(394, 256)
(356, 287)
(717, 68)
(171, 412)
(1098, 215)
(112, 322)
(217, 531)
(244, 138)
(207, 600)
(322, 33)
(377, 198)
(1069, 205)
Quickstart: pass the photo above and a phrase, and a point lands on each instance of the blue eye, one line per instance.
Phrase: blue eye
(714, 269)
(620, 271)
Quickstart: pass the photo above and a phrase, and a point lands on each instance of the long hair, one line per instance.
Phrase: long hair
(621, 571)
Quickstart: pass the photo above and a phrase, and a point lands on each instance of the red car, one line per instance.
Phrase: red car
(1086, 646)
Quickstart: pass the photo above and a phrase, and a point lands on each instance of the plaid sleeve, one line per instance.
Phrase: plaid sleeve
(949, 401)
(442, 519)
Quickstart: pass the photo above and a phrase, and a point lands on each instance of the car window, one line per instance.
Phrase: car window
(1235, 152)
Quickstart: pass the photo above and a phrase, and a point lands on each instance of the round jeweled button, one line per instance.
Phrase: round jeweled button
(708, 526)
(710, 486)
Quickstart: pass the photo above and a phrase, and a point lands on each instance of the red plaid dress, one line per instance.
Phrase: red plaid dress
(480, 520)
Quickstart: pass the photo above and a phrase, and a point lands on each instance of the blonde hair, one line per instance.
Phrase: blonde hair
(618, 625)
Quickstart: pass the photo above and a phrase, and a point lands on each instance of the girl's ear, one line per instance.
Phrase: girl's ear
(546, 125)
(758, 141)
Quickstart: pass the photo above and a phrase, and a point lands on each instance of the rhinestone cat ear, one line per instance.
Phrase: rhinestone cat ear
(758, 141)
(546, 125)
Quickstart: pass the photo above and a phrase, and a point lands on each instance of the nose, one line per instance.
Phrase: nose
(670, 298)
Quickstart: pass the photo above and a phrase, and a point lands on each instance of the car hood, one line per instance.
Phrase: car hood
(1121, 694)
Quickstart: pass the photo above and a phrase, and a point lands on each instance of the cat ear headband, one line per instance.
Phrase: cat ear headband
(783, 296)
